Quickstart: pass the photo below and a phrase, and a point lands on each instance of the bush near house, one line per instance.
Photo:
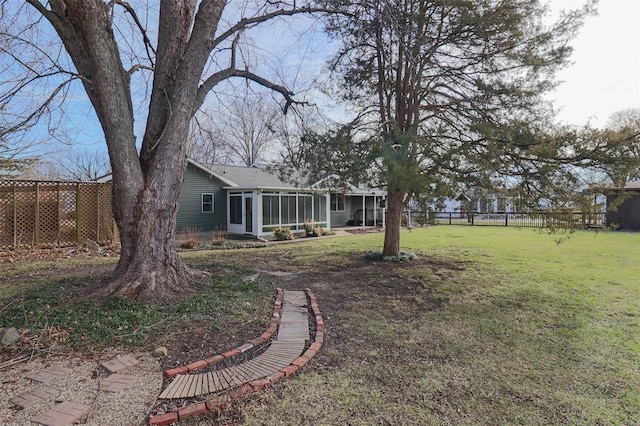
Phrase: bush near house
(282, 233)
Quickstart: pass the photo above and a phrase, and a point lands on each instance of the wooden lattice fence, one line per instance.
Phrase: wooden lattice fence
(39, 214)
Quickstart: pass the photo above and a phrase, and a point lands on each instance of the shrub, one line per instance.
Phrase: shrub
(219, 236)
(404, 256)
(282, 233)
(188, 238)
(313, 230)
(310, 229)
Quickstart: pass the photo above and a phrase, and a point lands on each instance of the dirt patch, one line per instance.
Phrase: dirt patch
(339, 287)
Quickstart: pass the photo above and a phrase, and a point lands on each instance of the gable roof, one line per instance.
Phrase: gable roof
(259, 177)
(248, 176)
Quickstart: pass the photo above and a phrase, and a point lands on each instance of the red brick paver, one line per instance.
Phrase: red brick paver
(119, 364)
(50, 373)
(115, 383)
(62, 415)
(34, 396)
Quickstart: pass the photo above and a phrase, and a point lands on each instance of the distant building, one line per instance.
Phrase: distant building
(623, 207)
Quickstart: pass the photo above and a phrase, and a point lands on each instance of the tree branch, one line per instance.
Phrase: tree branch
(37, 112)
(147, 43)
(247, 22)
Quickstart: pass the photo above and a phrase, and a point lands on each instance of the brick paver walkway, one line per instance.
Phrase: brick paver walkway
(116, 365)
(34, 396)
(293, 334)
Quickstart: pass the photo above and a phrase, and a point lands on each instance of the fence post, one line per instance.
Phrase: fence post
(15, 218)
(36, 216)
(78, 233)
(449, 218)
(506, 218)
(99, 207)
(59, 219)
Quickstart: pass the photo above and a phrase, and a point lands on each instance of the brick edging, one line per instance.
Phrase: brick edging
(258, 384)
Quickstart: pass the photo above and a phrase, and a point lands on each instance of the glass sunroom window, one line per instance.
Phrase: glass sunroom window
(288, 209)
(270, 210)
(320, 208)
(305, 208)
(235, 209)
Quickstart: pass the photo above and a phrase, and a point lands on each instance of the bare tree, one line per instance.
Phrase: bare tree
(247, 127)
(85, 165)
(185, 48)
(242, 130)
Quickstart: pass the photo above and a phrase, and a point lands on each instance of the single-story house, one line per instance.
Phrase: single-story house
(625, 213)
(255, 201)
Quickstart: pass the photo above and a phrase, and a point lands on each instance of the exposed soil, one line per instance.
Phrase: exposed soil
(190, 341)
(193, 341)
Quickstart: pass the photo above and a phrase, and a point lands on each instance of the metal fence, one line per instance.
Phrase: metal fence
(543, 219)
(39, 214)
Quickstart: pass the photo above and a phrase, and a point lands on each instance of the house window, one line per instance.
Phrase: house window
(502, 204)
(235, 209)
(207, 203)
(337, 202)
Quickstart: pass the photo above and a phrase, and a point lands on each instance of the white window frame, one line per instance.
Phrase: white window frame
(338, 196)
(213, 199)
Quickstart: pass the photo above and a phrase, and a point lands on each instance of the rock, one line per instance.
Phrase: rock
(9, 336)
(250, 278)
(93, 246)
(160, 352)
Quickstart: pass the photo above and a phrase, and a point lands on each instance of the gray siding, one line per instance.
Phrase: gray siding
(196, 182)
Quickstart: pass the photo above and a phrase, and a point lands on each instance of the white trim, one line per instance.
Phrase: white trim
(213, 203)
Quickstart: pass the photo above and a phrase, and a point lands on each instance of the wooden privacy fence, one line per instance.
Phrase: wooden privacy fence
(39, 214)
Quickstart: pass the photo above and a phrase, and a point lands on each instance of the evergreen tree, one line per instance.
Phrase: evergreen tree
(455, 92)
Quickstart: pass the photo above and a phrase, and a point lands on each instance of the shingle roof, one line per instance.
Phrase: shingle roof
(249, 177)
(633, 185)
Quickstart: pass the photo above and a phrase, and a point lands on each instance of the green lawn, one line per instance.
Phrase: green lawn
(498, 326)
(489, 326)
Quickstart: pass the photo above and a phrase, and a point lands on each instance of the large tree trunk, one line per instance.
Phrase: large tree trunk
(149, 267)
(394, 220)
(146, 184)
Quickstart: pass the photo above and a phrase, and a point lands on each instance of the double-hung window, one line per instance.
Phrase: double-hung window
(207, 203)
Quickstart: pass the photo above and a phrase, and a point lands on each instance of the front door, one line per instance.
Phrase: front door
(248, 215)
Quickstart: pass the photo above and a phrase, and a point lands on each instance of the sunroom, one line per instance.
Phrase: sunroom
(258, 211)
